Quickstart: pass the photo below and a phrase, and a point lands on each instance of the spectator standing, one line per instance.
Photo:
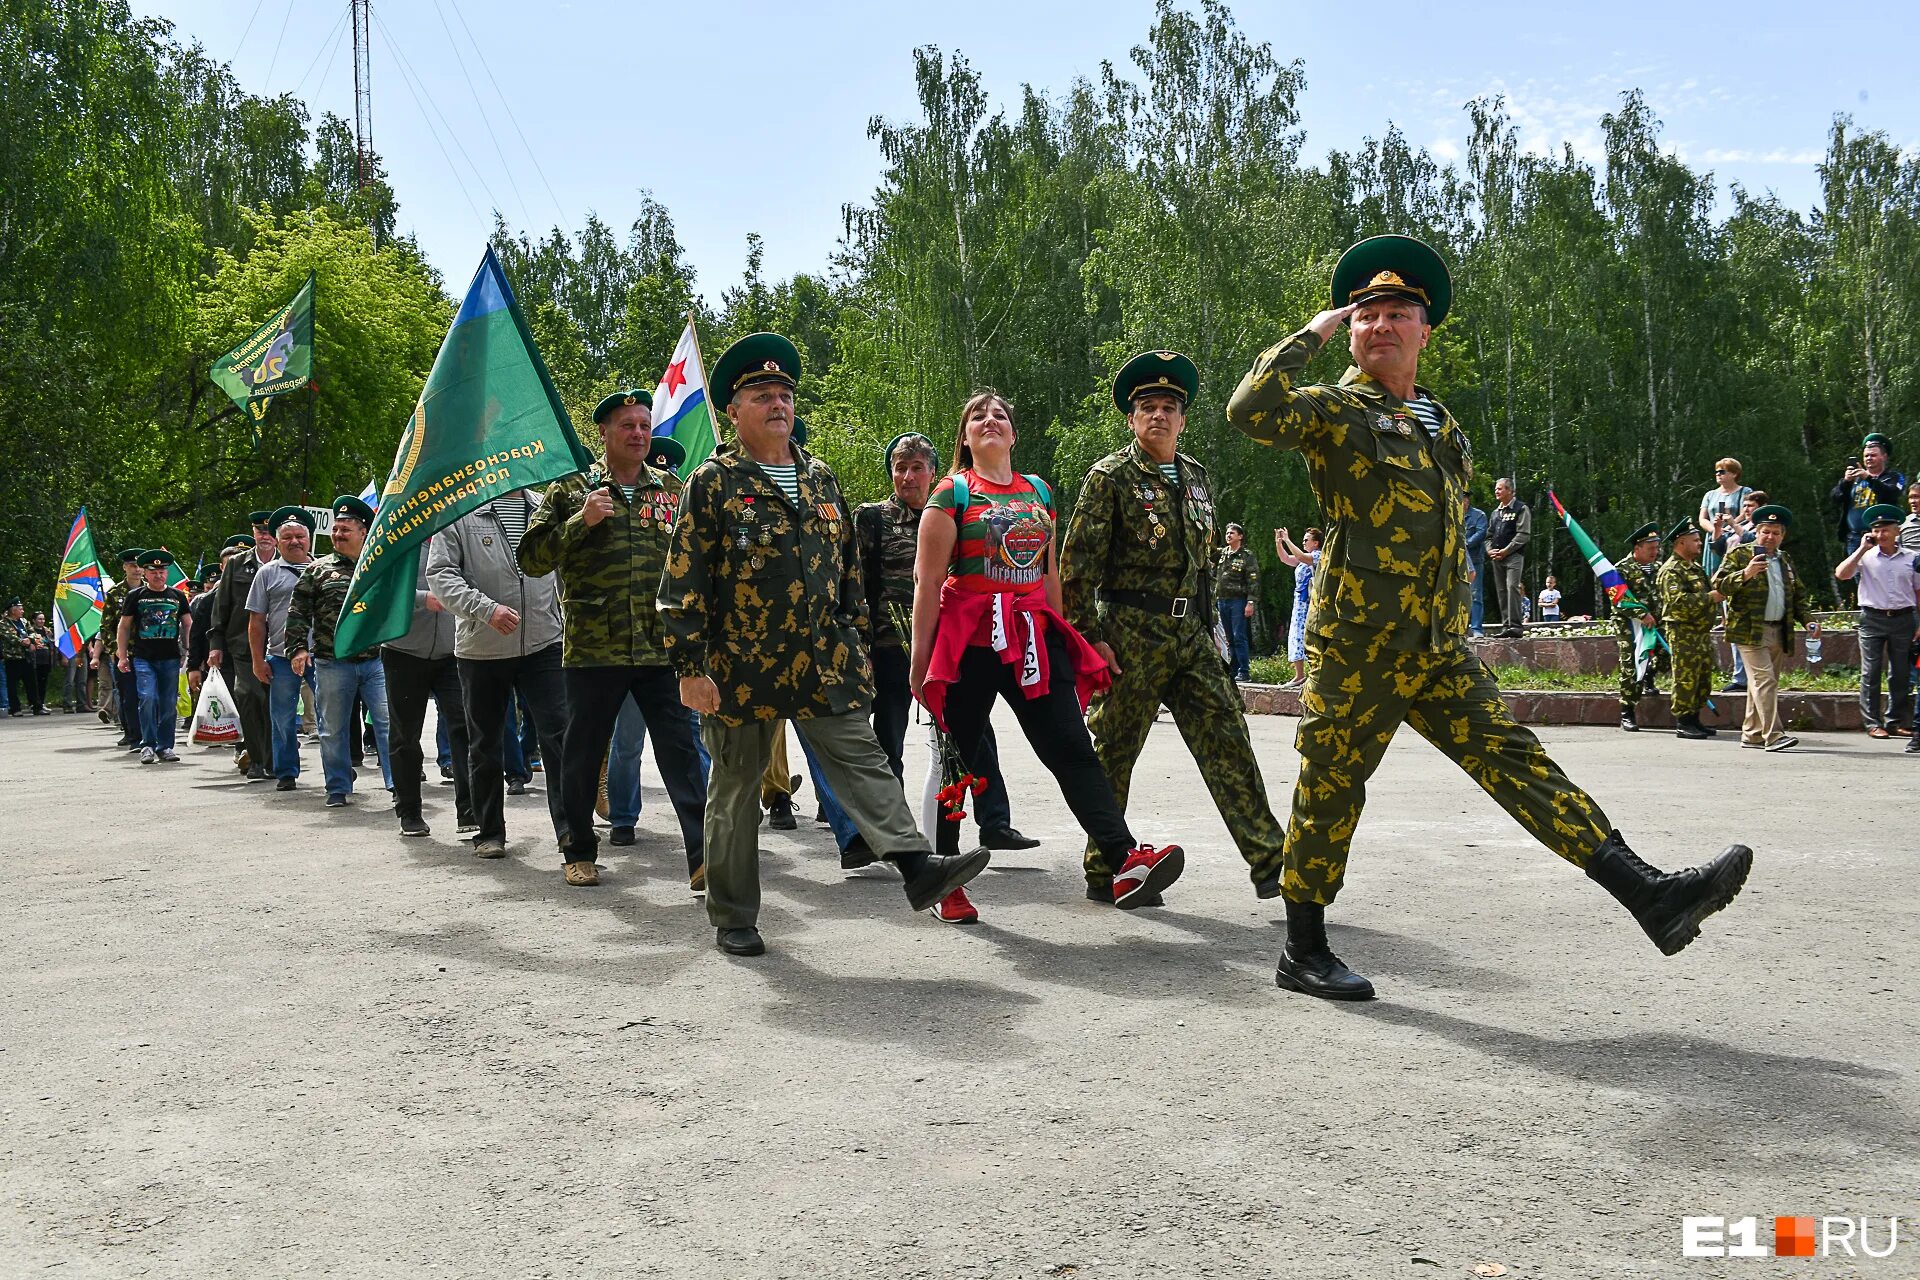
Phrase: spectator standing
(1718, 509)
(1889, 593)
(41, 652)
(1910, 527)
(1510, 529)
(1304, 560)
(1550, 600)
(1765, 598)
(1236, 584)
(1476, 533)
(1868, 481)
(13, 646)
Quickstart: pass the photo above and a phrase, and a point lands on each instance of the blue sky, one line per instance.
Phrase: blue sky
(752, 117)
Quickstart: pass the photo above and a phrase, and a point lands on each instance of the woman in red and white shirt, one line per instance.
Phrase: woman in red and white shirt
(987, 623)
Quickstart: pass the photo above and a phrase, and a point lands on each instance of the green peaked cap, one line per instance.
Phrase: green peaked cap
(758, 357)
(1164, 372)
(619, 399)
(1394, 267)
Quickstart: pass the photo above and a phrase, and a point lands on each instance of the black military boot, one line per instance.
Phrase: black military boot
(1627, 721)
(1690, 727)
(1669, 905)
(1309, 966)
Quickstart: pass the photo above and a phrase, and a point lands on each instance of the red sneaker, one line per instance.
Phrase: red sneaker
(1145, 873)
(956, 908)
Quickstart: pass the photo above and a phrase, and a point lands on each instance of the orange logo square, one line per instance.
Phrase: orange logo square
(1793, 1237)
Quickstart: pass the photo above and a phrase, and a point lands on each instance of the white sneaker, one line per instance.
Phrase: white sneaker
(169, 755)
(147, 756)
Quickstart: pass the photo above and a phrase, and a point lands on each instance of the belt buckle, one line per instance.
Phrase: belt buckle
(1179, 606)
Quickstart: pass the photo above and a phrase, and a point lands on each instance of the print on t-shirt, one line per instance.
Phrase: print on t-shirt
(1004, 534)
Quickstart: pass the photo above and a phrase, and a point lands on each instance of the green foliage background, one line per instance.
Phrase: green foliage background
(1613, 331)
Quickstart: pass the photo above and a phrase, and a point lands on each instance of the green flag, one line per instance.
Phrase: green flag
(278, 357)
(488, 423)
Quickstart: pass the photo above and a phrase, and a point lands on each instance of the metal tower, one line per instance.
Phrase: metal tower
(363, 88)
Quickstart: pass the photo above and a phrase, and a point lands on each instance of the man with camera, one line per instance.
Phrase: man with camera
(1765, 597)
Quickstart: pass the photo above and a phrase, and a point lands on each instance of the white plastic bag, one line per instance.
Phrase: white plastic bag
(215, 721)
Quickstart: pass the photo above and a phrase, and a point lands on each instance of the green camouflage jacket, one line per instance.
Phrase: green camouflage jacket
(227, 616)
(314, 611)
(1643, 581)
(109, 632)
(13, 639)
(1686, 599)
(1236, 574)
(765, 596)
(1747, 600)
(1394, 557)
(888, 536)
(1134, 530)
(609, 572)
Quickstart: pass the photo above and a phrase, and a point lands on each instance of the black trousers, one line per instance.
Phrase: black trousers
(37, 675)
(485, 685)
(892, 708)
(127, 696)
(17, 686)
(595, 696)
(251, 702)
(411, 680)
(1054, 725)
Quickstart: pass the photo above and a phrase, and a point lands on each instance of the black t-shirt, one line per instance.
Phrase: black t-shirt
(156, 622)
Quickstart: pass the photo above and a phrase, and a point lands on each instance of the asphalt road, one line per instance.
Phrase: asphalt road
(246, 1036)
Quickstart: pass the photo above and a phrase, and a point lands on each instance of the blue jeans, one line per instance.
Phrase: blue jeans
(1237, 626)
(513, 757)
(339, 685)
(623, 764)
(1478, 614)
(158, 680)
(442, 743)
(283, 709)
(837, 820)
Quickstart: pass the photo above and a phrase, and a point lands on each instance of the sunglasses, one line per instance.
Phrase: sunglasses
(1723, 471)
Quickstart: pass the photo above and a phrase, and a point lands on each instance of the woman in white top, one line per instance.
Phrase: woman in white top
(1304, 559)
(1720, 506)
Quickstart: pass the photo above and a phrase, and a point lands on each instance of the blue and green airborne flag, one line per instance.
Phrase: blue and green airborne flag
(488, 423)
(277, 358)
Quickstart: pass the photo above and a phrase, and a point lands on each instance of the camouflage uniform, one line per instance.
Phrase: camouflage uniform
(227, 632)
(1236, 574)
(764, 596)
(1642, 581)
(314, 611)
(344, 684)
(125, 709)
(1389, 618)
(615, 641)
(1687, 614)
(1136, 573)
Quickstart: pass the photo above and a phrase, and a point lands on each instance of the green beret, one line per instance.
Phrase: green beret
(132, 555)
(1161, 372)
(1233, 526)
(758, 357)
(666, 453)
(1881, 513)
(239, 540)
(799, 430)
(157, 558)
(894, 443)
(283, 514)
(632, 395)
(1644, 532)
(1774, 513)
(259, 517)
(1394, 267)
(350, 506)
(1875, 437)
(1681, 530)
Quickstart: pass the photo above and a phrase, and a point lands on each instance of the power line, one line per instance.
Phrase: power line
(454, 49)
(458, 182)
(267, 85)
(407, 70)
(328, 69)
(514, 120)
(332, 36)
(245, 31)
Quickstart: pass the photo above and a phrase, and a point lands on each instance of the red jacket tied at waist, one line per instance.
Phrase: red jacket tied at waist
(1015, 626)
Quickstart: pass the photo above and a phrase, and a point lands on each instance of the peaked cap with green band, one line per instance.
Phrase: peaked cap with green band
(353, 508)
(1881, 513)
(799, 436)
(132, 555)
(1645, 531)
(620, 399)
(1875, 437)
(283, 514)
(1681, 530)
(1155, 372)
(259, 517)
(666, 453)
(239, 540)
(1774, 513)
(157, 558)
(1394, 267)
(758, 357)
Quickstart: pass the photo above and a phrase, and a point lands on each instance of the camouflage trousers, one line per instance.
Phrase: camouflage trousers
(1657, 665)
(1357, 695)
(1692, 668)
(1183, 669)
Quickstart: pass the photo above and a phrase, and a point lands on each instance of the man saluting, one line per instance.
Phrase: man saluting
(1389, 466)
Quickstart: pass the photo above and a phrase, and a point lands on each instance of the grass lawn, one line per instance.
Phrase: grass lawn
(1512, 676)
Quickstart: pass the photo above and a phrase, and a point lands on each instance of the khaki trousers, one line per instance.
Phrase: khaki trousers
(856, 769)
(1764, 662)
